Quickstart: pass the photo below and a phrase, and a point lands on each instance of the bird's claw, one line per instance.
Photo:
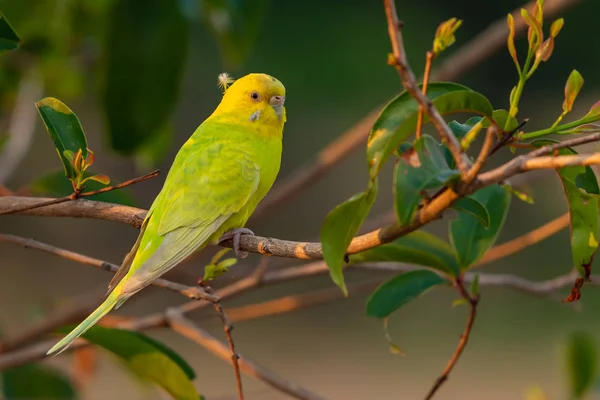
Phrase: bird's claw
(235, 235)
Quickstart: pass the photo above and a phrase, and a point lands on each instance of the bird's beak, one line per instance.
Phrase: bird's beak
(277, 103)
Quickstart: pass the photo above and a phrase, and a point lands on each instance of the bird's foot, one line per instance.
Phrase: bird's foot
(236, 235)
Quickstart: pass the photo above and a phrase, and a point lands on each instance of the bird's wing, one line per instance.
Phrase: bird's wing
(204, 188)
(218, 181)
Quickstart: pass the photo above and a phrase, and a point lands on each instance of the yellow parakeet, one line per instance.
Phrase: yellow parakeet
(215, 183)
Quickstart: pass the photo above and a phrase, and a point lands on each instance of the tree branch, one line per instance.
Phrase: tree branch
(484, 153)
(473, 301)
(227, 328)
(187, 328)
(192, 292)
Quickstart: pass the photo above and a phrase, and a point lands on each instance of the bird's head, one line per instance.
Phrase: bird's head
(259, 98)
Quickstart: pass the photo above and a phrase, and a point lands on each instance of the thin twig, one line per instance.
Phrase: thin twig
(191, 292)
(187, 328)
(76, 195)
(508, 137)
(473, 301)
(227, 328)
(483, 156)
(409, 82)
(429, 56)
(22, 125)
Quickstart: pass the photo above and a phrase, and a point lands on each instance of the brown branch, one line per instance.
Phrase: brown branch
(191, 292)
(76, 209)
(400, 62)
(473, 301)
(483, 156)
(227, 328)
(193, 332)
(527, 163)
(77, 195)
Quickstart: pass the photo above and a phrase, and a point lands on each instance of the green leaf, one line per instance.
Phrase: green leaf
(55, 184)
(510, 21)
(582, 363)
(9, 40)
(146, 359)
(398, 119)
(572, 88)
(474, 207)
(235, 25)
(339, 228)
(418, 247)
(33, 381)
(581, 189)
(422, 168)
(145, 59)
(460, 130)
(501, 116)
(444, 35)
(65, 131)
(401, 290)
(469, 237)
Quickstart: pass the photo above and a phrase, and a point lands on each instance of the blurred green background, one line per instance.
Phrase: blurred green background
(331, 57)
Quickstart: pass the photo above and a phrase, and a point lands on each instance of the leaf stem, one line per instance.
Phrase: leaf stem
(559, 128)
(473, 301)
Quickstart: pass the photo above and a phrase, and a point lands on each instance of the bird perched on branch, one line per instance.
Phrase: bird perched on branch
(215, 183)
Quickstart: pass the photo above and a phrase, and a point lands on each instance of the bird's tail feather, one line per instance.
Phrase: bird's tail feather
(90, 321)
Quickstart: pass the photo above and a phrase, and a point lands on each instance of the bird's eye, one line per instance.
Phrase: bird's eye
(255, 96)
